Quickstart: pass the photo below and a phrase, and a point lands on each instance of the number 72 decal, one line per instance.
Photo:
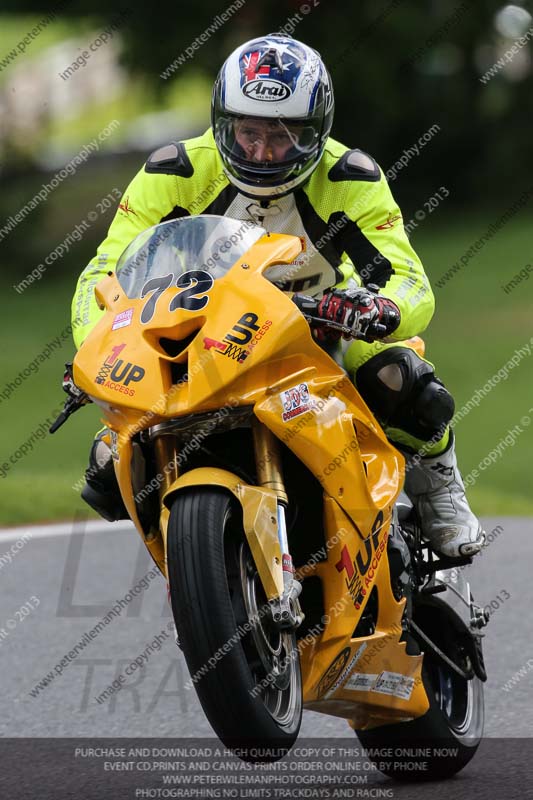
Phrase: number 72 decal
(193, 283)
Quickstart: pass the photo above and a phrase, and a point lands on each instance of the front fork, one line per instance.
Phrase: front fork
(286, 610)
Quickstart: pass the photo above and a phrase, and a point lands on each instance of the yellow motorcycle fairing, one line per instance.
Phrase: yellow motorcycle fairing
(306, 400)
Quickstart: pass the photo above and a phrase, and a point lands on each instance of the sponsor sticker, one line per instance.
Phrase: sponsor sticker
(335, 669)
(107, 366)
(358, 653)
(286, 563)
(116, 374)
(267, 90)
(232, 351)
(390, 223)
(126, 208)
(272, 76)
(239, 342)
(365, 564)
(114, 445)
(122, 320)
(360, 682)
(395, 684)
(296, 401)
(391, 683)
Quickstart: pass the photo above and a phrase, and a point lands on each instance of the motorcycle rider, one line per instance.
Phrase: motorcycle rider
(268, 158)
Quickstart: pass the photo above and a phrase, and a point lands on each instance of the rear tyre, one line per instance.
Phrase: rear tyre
(441, 742)
(246, 672)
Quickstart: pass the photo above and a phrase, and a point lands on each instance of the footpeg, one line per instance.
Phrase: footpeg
(480, 618)
(444, 562)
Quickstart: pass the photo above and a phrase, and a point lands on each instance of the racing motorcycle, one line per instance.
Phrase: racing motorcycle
(270, 498)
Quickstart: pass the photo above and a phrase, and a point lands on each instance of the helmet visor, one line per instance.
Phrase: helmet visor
(266, 147)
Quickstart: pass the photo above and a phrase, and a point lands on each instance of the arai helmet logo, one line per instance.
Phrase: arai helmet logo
(266, 89)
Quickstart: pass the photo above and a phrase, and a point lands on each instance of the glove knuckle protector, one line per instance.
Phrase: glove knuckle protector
(370, 316)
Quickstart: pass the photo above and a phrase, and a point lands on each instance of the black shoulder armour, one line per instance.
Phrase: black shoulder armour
(355, 165)
(172, 159)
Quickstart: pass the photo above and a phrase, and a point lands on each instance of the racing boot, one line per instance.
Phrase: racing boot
(435, 488)
(101, 490)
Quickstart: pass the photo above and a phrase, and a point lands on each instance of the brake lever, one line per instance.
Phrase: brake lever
(75, 400)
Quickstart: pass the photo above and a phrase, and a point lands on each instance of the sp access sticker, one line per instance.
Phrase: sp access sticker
(122, 320)
(296, 401)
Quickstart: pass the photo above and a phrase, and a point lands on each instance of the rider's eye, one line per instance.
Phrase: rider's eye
(250, 134)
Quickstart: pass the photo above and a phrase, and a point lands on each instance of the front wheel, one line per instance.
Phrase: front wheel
(440, 743)
(246, 672)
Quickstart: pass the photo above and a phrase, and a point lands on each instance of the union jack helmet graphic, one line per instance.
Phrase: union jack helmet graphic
(271, 113)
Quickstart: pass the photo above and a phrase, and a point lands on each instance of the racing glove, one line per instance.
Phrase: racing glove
(368, 315)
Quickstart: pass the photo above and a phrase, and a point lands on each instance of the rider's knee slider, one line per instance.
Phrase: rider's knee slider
(403, 392)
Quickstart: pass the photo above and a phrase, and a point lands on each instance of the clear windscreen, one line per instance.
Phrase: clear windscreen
(204, 242)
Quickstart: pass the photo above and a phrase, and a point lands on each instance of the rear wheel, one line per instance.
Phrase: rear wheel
(246, 672)
(442, 741)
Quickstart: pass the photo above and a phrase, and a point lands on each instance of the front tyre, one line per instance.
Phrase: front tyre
(245, 671)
